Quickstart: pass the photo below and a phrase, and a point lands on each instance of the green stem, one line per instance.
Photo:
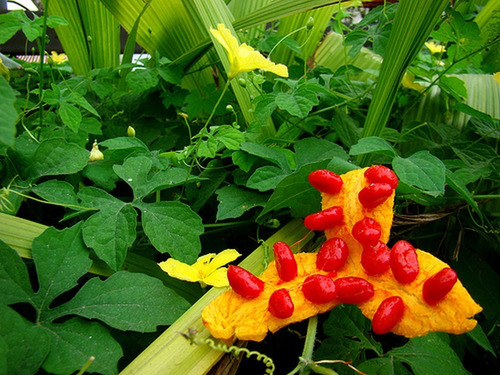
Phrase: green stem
(42, 55)
(307, 352)
(73, 206)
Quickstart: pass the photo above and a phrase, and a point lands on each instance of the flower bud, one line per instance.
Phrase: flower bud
(131, 132)
(310, 23)
(229, 108)
(242, 82)
(95, 153)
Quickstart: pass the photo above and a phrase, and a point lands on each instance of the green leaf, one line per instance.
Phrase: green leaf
(298, 102)
(26, 346)
(480, 338)
(96, 198)
(273, 155)
(70, 116)
(429, 355)
(61, 258)
(454, 86)
(384, 366)
(422, 170)
(375, 145)
(79, 99)
(356, 39)
(235, 201)
(56, 191)
(127, 301)
(75, 341)
(9, 114)
(171, 74)
(56, 156)
(173, 228)
(265, 106)
(295, 192)
(110, 232)
(137, 173)
(266, 178)
(230, 137)
(123, 143)
(207, 148)
(462, 190)
(310, 150)
(14, 280)
(8, 30)
(140, 80)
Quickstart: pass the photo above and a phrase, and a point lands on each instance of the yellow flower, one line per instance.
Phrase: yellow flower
(435, 48)
(244, 58)
(207, 270)
(58, 58)
(409, 82)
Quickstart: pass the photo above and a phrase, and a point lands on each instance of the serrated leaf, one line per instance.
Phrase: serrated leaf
(171, 74)
(173, 228)
(273, 155)
(127, 301)
(356, 39)
(61, 258)
(79, 99)
(375, 145)
(207, 148)
(137, 173)
(56, 191)
(75, 341)
(26, 346)
(383, 366)
(70, 116)
(454, 86)
(235, 201)
(266, 178)
(97, 198)
(14, 280)
(422, 170)
(140, 80)
(9, 113)
(110, 232)
(298, 102)
(310, 150)
(57, 157)
(230, 137)
(295, 192)
(265, 106)
(429, 355)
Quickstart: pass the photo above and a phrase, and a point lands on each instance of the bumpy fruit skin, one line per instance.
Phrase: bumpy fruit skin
(438, 286)
(367, 231)
(325, 181)
(381, 174)
(319, 289)
(281, 304)
(244, 283)
(285, 261)
(325, 219)
(389, 313)
(332, 255)
(375, 194)
(404, 262)
(353, 290)
(376, 260)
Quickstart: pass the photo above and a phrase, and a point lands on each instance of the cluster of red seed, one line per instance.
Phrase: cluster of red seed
(376, 258)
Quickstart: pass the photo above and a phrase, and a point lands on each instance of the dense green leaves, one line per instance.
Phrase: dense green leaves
(9, 114)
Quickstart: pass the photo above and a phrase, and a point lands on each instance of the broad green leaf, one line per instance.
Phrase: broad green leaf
(295, 192)
(14, 280)
(264, 106)
(8, 30)
(75, 341)
(475, 155)
(454, 86)
(462, 190)
(140, 80)
(9, 114)
(346, 127)
(383, 366)
(126, 301)
(173, 228)
(171, 74)
(273, 155)
(207, 148)
(298, 102)
(356, 39)
(123, 143)
(137, 173)
(429, 355)
(27, 345)
(235, 201)
(266, 178)
(375, 145)
(56, 156)
(97, 198)
(213, 176)
(79, 99)
(230, 137)
(422, 170)
(110, 232)
(310, 150)
(56, 191)
(61, 258)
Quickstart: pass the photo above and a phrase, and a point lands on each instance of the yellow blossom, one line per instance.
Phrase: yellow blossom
(435, 48)
(243, 58)
(95, 153)
(207, 270)
(58, 58)
(409, 82)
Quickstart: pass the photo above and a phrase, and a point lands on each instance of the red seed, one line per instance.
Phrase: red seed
(381, 174)
(438, 286)
(367, 231)
(281, 304)
(404, 262)
(319, 289)
(353, 290)
(325, 219)
(376, 259)
(285, 261)
(389, 313)
(332, 255)
(326, 181)
(243, 282)
(374, 194)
